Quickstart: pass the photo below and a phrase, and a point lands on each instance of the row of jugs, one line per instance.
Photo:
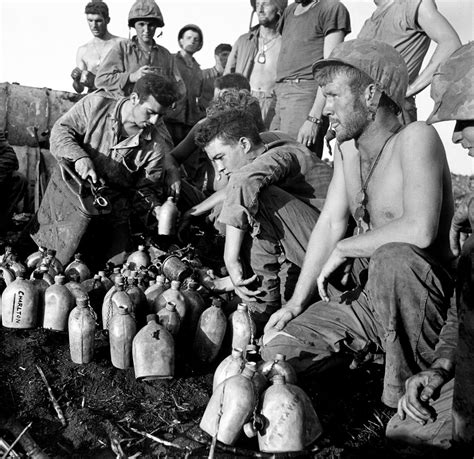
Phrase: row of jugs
(284, 419)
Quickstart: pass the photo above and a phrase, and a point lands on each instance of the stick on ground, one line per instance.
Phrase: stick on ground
(57, 408)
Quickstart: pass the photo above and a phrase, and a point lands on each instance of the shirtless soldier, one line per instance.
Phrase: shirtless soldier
(396, 185)
(90, 55)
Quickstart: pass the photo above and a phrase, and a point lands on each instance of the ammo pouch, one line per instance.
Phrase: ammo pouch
(66, 209)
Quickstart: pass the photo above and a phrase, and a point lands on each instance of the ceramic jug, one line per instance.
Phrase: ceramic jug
(20, 304)
(58, 303)
(173, 295)
(77, 266)
(122, 330)
(154, 291)
(153, 351)
(232, 365)
(230, 407)
(291, 424)
(210, 333)
(167, 218)
(139, 258)
(81, 328)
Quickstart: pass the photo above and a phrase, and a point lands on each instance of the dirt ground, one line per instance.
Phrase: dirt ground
(104, 406)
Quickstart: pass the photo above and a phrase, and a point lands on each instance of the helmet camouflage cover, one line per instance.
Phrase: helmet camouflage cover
(452, 87)
(381, 62)
(145, 9)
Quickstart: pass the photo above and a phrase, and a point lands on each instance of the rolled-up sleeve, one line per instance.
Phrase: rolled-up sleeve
(112, 74)
(68, 132)
(241, 202)
(448, 338)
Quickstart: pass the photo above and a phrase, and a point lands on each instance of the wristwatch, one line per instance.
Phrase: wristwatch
(313, 119)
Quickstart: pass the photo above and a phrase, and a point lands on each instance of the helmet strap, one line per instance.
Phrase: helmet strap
(374, 101)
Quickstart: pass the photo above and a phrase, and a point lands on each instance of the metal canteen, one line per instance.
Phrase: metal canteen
(175, 269)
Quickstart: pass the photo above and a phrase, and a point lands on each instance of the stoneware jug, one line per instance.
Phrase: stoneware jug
(175, 296)
(243, 327)
(153, 351)
(232, 365)
(77, 266)
(210, 333)
(167, 218)
(20, 304)
(81, 327)
(122, 330)
(154, 291)
(139, 258)
(278, 366)
(58, 303)
(289, 420)
(230, 407)
(195, 306)
(169, 318)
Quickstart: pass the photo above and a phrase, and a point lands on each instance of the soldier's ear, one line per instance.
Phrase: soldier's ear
(246, 144)
(372, 96)
(134, 98)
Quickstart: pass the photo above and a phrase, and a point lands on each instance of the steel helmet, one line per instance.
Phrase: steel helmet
(145, 10)
(194, 28)
(381, 62)
(452, 87)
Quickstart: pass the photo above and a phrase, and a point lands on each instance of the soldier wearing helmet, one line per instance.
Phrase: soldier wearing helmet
(395, 184)
(131, 59)
(428, 415)
(188, 110)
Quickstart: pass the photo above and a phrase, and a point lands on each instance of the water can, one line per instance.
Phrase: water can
(154, 291)
(167, 218)
(232, 365)
(172, 295)
(139, 258)
(34, 259)
(195, 306)
(20, 304)
(210, 333)
(153, 351)
(278, 366)
(290, 422)
(81, 328)
(77, 266)
(122, 330)
(58, 303)
(242, 327)
(230, 407)
(169, 318)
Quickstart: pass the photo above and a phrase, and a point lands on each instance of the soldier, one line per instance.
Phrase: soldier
(90, 55)
(428, 417)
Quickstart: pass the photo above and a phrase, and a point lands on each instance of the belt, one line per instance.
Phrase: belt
(271, 93)
(295, 80)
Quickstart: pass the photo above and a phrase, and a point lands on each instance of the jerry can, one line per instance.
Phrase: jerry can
(20, 304)
(153, 351)
(139, 258)
(278, 366)
(232, 365)
(154, 291)
(195, 306)
(210, 333)
(230, 407)
(77, 266)
(41, 285)
(167, 218)
(175, 296)
(81, 328)
(122, 330)
(169, 318)
(242, 327)
(76, 289)
(290, 422)
(105, 304)
(16, 266)
(58, 303)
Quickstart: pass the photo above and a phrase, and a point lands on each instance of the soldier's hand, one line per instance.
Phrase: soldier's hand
(280, 318)
(307, 133)
(420, 389)
(460, 225)
(76, 74)
(135, 76)
(85, 168)
(88, 79)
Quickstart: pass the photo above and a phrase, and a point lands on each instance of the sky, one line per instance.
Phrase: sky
(39, 40)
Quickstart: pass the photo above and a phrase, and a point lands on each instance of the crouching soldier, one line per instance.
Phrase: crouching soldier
(122, 144)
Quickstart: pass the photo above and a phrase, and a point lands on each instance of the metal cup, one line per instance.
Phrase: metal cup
(174, 269)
